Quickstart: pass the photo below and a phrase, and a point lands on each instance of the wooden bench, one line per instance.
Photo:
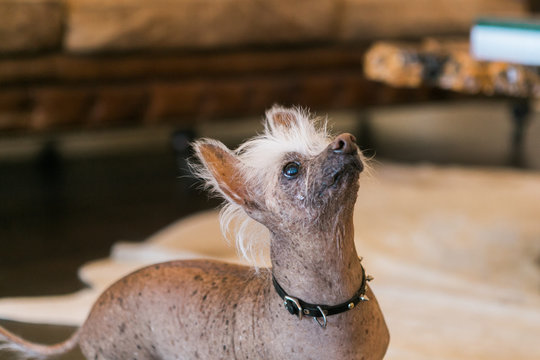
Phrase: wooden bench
(79, 64)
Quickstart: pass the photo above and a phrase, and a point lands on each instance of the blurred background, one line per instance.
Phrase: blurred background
(99, 100)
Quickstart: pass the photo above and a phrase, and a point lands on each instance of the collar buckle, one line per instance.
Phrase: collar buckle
(293, 306)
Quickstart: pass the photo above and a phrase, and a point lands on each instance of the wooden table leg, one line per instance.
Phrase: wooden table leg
(520, 110)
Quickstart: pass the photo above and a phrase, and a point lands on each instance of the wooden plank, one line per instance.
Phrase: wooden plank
(398, 19)
(70, 68)
(48, 107)
(112, 26)
(30, 25)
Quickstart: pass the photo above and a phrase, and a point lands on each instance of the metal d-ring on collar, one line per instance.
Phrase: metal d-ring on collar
(301, 308)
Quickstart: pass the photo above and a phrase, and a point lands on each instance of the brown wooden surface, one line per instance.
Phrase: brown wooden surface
(50, 92)
(96, 26)
(94, 63)
(71, 68)
(30, 26)
(185, 102)
(102, 25)
(112, 26)
(413, 19)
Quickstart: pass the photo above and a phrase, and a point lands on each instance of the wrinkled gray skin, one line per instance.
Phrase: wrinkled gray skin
(213, 310)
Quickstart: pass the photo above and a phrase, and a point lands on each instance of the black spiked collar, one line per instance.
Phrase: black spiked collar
(301, 308)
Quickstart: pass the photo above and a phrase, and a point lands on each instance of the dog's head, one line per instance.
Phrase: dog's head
(292, 177)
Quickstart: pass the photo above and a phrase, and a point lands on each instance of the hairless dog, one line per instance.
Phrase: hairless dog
(314, 301)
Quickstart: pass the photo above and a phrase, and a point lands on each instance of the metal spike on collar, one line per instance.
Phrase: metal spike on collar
(369, 278)
(364, 297)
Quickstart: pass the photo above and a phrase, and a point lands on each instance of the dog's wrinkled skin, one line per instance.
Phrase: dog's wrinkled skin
(213, 310)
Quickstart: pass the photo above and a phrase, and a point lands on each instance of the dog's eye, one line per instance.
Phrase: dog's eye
(291, 170)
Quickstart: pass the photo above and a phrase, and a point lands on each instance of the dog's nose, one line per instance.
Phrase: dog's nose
(344, 144)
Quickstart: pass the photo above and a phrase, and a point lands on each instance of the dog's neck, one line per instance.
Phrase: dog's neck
(319, 265)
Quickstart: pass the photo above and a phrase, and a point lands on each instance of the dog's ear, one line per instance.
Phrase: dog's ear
(222, 171)
(280, 118)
